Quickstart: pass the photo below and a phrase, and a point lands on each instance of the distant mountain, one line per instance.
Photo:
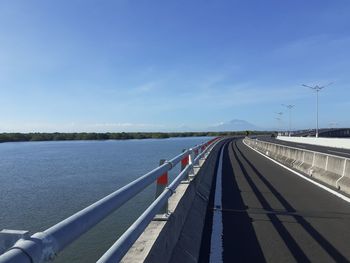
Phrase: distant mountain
(234, 125)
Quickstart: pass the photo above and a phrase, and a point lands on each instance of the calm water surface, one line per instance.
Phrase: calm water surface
(42, 183)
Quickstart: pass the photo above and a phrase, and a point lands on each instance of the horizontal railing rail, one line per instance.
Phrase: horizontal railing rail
(123, 244)
(44, 246)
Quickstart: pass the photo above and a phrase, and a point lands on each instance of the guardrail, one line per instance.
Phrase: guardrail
(44, 246)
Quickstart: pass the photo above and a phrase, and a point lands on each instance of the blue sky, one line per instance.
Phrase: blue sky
(144, 65)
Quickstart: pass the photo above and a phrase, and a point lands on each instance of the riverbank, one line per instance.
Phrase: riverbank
(23, 137)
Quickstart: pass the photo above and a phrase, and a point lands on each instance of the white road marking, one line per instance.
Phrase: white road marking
(345, 198)
(216, 242)
(338, 152)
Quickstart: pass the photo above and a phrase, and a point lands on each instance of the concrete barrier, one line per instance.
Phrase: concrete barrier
(299, 158)
(321, 169)
(343, 143)
(306, 165)
(344, 182)
(329, 169)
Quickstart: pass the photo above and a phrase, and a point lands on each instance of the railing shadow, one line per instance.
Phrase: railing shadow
(290, 242)
(239, 239)
(324, 243)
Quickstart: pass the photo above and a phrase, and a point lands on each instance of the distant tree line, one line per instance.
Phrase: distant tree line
(22, 137)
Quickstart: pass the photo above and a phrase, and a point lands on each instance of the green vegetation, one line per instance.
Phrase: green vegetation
(21, 137)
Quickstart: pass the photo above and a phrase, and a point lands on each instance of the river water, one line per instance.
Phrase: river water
(42, 183)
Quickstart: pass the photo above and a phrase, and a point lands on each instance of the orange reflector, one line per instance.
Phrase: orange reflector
(163, 179)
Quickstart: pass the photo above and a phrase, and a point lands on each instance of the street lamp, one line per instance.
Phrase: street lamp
(317, 89)
(289, 107)
(279, 120)
(333, 125)
(278, 124)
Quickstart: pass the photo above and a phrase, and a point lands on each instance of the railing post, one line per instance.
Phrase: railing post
(191, 158)
(162, 183)
(207, 147)
(201, 160)
(184, 163)
(195, 153)
(9, 237)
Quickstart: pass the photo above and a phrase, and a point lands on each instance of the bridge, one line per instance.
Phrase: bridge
(329, 132)
(235, 199)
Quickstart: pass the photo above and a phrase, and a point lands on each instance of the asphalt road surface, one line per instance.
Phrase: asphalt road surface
(328, 150)
(269, 214)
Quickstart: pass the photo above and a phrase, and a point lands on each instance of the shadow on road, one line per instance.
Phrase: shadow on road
(292, 245)
(290, 242)
(240, 241)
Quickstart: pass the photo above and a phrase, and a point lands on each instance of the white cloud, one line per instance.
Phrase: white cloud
(127, 125)
(318, 47)
(244, 94)
(147, 87)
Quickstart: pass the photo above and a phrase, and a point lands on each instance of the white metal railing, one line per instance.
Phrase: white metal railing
(44, 246)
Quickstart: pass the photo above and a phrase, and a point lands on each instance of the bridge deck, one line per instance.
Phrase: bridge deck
(270, 214)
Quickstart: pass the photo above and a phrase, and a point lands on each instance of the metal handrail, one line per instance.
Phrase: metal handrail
(44, 246)
(117, 251)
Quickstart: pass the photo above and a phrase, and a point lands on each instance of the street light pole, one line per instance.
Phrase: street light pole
(333, 125)
(278, 124)
(279, 120)
(289, 107)
(317, 89)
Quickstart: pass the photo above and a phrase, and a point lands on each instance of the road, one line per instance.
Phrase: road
(269, 214)
(328, 150)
